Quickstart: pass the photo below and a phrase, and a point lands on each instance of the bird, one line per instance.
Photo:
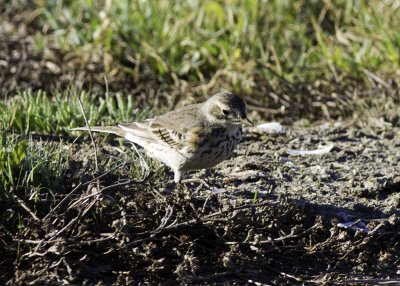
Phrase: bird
(193, 137)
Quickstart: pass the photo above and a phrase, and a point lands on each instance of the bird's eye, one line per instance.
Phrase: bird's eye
(226, 112)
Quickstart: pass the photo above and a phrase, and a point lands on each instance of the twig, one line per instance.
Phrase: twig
(104, 174)
(168, 214)
(91, 204)
(375, 78)
(62, 201)
(90, 134)
(64, 240)
(95, 157)
(90, 241)
(25, 207)
(393, 281)
(290, 235)
(41, 241)
(282, 238)
(143, 162)
(196, 278)
(119, 184)
(286, 275)
(65, 227)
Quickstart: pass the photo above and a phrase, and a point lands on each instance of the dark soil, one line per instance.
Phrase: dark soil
(269, 217)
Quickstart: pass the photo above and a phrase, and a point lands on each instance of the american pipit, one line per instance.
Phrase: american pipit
(193, 137)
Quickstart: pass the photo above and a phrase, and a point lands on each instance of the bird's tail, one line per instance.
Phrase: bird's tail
(104, 129)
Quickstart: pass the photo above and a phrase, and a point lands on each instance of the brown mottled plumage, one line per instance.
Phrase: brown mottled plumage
(197, 136)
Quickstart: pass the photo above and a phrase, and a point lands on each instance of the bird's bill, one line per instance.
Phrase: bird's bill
(246, 121)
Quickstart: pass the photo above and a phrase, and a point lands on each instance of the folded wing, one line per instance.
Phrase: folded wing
(170, 129)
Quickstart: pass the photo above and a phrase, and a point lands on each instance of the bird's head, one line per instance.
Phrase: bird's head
(226, 108)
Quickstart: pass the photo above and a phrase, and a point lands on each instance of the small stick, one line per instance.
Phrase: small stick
(94, 142)
(25, 207)
(62, 201)
(90, 134)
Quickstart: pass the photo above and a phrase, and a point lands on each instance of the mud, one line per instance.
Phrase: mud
(268, 217)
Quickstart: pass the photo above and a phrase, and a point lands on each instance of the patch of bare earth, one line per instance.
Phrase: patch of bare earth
(271, 218)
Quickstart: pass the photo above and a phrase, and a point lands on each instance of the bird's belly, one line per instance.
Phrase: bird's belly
(214, 151)
(204, 160)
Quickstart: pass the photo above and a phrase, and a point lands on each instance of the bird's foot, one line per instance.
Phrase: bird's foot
(199, 181)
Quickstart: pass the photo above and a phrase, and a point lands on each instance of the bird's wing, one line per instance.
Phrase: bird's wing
(177, 129)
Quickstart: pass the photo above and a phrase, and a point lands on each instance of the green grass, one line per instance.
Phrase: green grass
(197, 40)
(12, 154)
(31, 167)
(58, 113)
(28, 167)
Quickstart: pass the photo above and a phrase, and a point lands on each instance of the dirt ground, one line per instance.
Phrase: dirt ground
(269, 218)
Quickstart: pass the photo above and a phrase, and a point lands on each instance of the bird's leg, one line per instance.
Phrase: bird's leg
(178, 175)
(207, 175)
(207, 172)
(178, 178)
(200, 181)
